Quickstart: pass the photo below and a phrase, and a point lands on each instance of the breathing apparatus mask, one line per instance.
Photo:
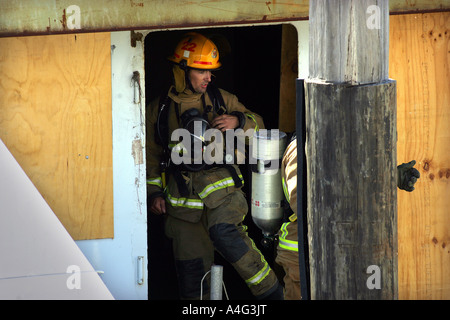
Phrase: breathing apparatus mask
(193, 144)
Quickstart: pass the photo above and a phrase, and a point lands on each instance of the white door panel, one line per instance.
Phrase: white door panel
(119, 259)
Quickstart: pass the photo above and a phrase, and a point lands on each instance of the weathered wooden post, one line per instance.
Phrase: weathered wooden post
(351, 152)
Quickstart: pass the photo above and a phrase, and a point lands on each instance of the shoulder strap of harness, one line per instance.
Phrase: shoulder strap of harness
(291, 137)
(162, 122)
(220, 108)
(217, 99)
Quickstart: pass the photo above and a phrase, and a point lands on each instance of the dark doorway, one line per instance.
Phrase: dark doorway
(251, 70)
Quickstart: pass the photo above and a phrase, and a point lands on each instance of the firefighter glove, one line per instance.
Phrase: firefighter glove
(407, 176)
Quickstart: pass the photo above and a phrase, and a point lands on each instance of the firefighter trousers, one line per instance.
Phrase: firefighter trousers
(287, 257)
(220, 228)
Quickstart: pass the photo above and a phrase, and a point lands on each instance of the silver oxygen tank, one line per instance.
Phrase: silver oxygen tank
(267, 189)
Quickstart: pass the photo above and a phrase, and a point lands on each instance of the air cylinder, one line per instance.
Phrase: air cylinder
(267, 189)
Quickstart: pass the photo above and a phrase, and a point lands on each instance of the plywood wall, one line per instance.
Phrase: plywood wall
(55, 118)
(419, 61)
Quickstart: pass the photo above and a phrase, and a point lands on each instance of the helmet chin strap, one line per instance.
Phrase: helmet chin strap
(181, 78)
(188, 82)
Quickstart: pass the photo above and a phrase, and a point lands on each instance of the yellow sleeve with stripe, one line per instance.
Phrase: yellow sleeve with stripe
(289, 176)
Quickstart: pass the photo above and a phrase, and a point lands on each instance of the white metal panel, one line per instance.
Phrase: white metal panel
(118, 258)
(303, 47)
(38, 258)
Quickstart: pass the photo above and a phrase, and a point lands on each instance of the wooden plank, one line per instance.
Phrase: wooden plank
(25, 17)
(20, 17)
(55, 118)
(419, 62)
(349, 51)
(351, 154)
(289, 72)
(351, 189)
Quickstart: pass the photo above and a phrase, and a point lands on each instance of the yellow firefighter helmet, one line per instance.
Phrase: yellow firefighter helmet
(197, 52)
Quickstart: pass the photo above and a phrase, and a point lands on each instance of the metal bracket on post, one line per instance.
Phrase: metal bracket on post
(136, 84)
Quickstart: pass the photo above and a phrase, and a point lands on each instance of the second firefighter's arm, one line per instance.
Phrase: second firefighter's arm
(289, 176)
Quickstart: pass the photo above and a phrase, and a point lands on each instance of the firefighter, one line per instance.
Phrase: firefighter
(287, 251)
(204, 205)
